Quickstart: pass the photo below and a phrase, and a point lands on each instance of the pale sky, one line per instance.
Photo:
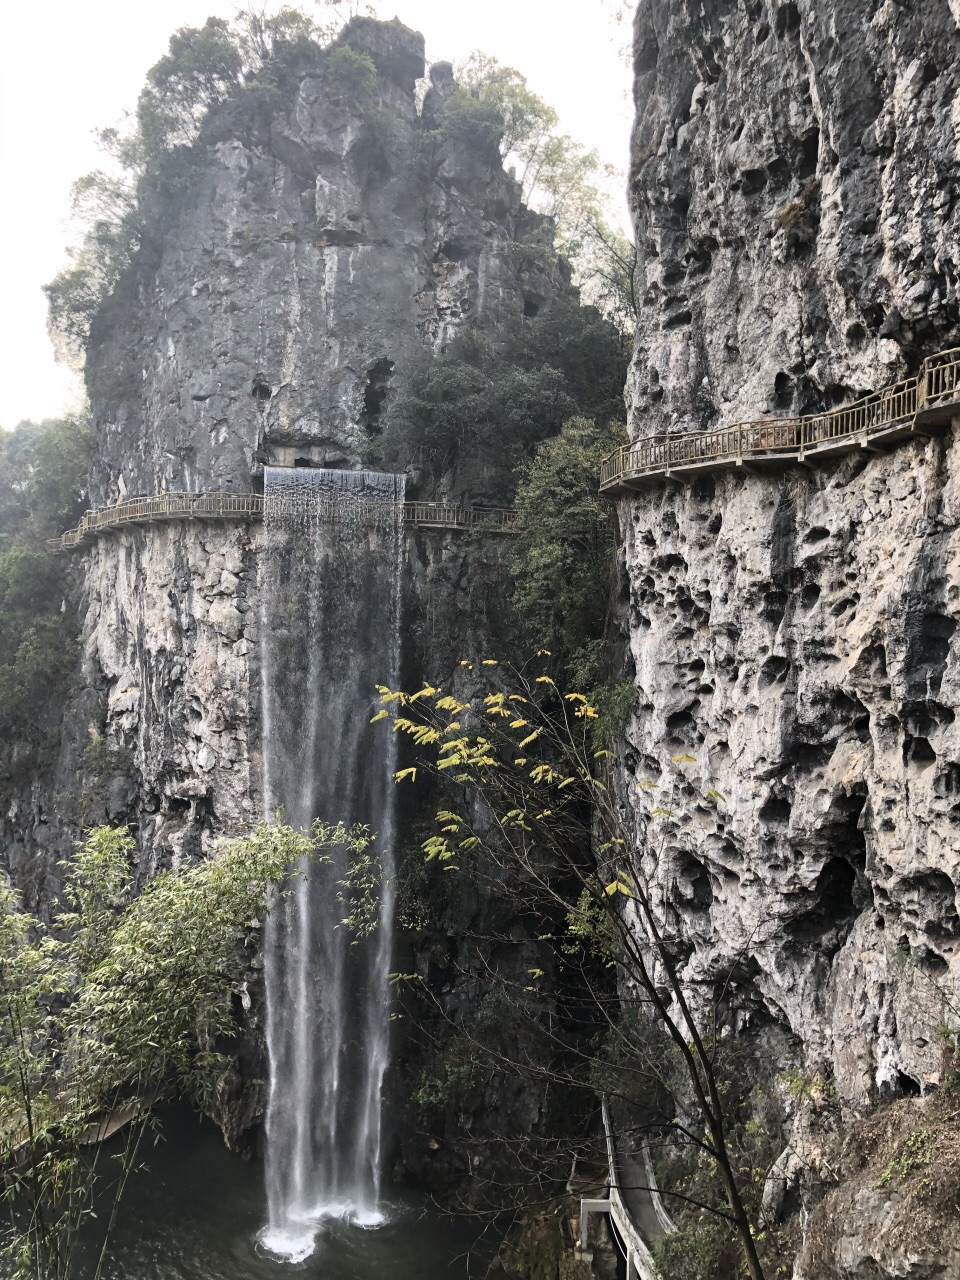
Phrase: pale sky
(73, 67)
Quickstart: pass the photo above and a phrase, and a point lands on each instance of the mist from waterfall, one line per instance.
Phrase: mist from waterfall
(330, 632)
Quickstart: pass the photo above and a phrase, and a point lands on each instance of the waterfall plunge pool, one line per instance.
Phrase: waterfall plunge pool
(196, 1211)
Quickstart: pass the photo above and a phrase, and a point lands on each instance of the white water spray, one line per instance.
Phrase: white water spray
(330, 627)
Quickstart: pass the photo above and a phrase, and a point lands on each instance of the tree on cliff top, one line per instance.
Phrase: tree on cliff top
(246, 60)
(558, 176)
(204, 68)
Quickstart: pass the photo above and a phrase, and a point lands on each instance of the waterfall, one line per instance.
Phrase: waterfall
(330, 629)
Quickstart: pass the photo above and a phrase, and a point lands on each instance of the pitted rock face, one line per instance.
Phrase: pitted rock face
(793, 176)
(795, 632)
(317, 253)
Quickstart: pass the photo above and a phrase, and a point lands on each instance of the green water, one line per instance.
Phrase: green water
(194, 1214)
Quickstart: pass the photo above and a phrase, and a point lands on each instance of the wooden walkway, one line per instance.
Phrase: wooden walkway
(249, 506)
(896, 412)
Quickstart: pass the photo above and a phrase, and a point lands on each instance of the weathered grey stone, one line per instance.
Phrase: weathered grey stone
(794, 631)
(317, 252)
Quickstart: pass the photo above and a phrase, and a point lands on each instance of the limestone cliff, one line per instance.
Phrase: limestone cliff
(794, 183)
(316, 246)
(321, 246)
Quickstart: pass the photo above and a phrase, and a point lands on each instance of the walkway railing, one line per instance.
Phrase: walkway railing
(249, 506)
(635, 1207)
(894, 412)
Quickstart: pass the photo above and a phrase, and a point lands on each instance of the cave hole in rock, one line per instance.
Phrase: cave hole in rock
(809, 595)
(816, 534)
(773, 671)
(832, 910)
(844, 712)
(729, 856)
(453, 251)
(918, 751)
(929, 716)
(906, 1086)
(699, 261)
(650, 768)
(810, 155)
(531, 305)
(928, 647)
(692, 883)
(872, 661)
(788, 18)
(754, 180)
(379, 376)
(260, 391)
(932, 894)
(844, 606)
(931, 960)
(811, 755)
(682, 727)
(678, 319)
(775, 811)
(782, 391)
(947, 782)
(837, 393)
(778, 172)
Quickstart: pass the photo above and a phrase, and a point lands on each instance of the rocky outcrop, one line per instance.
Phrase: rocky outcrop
(321, 248)
(793, 177)
(171, 621)
(794, 631)
(322, 238)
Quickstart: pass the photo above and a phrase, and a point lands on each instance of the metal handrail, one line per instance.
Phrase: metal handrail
(250, 506)
(900, 404)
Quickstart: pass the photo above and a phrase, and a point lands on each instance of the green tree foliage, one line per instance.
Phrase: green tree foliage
(351, 77)
(122, 1001)
(471, 408)
(562, 558)
(493, 107)
(198, 72)
(524, 791)
(42, 492)
(475, 414)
